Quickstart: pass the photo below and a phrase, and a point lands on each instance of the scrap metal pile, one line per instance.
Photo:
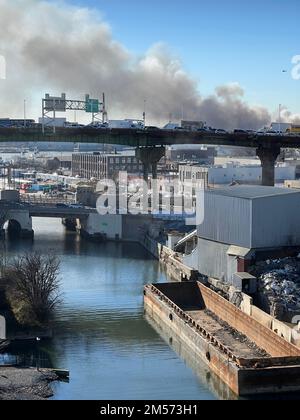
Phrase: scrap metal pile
(279, 286)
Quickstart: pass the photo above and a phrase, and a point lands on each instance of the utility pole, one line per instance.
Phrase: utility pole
(24, 113)
(144, 113)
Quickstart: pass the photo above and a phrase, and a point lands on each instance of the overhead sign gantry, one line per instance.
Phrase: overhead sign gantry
(51, 105)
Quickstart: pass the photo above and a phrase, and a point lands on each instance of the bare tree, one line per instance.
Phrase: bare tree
(35, 278)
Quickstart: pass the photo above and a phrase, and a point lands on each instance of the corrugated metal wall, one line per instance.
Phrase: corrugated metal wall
(272, 221)
(226, 220)
(213, 260)
(276, 221)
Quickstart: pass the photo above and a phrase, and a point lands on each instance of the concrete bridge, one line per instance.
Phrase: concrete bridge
(150, 144)
(16, 220)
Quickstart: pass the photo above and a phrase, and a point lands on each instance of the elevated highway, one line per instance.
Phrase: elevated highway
(150, 144)
(144, 138)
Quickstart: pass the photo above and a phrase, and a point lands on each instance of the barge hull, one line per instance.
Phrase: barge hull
(244, 377)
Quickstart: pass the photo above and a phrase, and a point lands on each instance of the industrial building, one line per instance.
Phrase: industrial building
(203, 155)
(230, 172)
(105, 166)
(241, 225)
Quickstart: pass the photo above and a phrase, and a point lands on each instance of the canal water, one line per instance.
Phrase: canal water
(100, 333)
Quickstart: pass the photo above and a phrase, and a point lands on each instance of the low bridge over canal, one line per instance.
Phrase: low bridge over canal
(16, 218)
(150, 144)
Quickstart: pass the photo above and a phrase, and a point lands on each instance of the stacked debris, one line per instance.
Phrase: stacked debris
(279, 286)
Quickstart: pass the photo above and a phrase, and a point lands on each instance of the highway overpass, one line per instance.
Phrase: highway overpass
(144, 138)
(150, 144)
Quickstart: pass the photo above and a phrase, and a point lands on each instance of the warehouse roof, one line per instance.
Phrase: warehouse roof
(252, 192)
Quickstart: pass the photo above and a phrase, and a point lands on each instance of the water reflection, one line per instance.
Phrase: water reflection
(100, 332)
(208, 378)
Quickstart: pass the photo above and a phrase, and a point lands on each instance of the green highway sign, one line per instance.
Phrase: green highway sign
(92, 106)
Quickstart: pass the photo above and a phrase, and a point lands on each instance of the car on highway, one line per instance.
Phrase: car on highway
(266, 132)
(98, 125)
(73, 125)
(62, 206)
(76, 206)
(273, 133)
(208, 130)
(221, 131)
(240, 131)
(289, 134)
(152, 128)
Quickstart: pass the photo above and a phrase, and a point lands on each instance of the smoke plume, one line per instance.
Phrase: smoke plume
(55, 47)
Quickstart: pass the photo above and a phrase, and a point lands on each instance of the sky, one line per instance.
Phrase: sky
(218, 41)
(221, 61)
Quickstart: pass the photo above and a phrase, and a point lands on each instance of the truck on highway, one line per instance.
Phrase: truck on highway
(128, 123)
(294, 129)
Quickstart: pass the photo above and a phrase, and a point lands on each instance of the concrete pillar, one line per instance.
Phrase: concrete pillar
(268, 157)
(20, 224)
(150, 156)
(146, 167)
(154, 171)
(2, 328)
(70, 224)
(101, 228)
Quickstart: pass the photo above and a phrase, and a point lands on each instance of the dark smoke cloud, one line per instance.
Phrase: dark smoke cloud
(55, 47)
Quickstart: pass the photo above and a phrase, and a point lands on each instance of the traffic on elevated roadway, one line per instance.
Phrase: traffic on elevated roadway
(277, 129)
(133, 132)
(139, 136)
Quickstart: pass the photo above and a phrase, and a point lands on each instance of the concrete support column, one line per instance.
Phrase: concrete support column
(70, 224)
(154, 171)
(146, 167)
(150, 156)
(268, 157)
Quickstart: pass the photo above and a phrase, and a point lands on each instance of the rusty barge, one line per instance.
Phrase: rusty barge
(248, 357)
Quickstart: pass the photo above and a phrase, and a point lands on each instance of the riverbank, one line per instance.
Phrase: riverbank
(25, 384)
